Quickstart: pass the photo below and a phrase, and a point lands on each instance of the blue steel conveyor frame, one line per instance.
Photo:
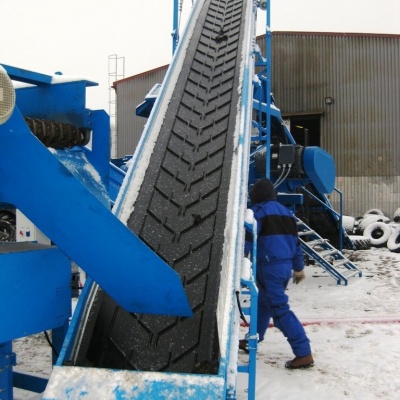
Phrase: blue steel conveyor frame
(64, 192)
(51, 196)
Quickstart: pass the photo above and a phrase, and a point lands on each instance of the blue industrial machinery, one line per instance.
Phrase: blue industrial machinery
(63, 189)
(161, 241)
(302, 176)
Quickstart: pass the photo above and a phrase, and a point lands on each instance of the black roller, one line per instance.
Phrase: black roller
(181, 208)
(57, 135)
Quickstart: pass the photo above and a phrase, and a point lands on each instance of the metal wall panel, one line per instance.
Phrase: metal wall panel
(361, 72)
(361, 194)
(130, 93)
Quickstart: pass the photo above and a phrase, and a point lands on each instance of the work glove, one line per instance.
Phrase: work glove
(298, 276)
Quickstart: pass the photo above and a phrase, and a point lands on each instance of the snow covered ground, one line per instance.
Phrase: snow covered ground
(354, 332)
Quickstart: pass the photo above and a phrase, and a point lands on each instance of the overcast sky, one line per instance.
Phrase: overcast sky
(76, 37)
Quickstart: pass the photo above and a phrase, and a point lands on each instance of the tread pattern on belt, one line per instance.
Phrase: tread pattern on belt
(181, 208)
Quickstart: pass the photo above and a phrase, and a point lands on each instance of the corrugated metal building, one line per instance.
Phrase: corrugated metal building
(130, 93)
(344, 89)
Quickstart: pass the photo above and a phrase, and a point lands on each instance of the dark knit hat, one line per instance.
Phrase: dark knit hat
(263, 190)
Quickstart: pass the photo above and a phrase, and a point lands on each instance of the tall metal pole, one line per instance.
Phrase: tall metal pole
(175, 27)
(268, 55)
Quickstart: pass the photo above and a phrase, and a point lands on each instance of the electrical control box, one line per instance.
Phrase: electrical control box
(286, 155)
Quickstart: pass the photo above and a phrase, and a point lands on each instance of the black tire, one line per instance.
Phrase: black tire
(180, 211)
(375, 211)
(396, 217)
(348, 224)
(369, 219)
(393, 243)
(360, 242)
(378, 233)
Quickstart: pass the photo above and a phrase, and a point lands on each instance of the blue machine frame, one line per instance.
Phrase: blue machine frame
(75, 204)
(68, 188)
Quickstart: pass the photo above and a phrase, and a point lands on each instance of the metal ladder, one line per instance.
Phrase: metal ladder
(327, 256)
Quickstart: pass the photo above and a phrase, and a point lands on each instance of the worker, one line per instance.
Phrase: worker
(279, 258)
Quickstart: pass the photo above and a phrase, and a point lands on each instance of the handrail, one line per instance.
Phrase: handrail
(328, 207)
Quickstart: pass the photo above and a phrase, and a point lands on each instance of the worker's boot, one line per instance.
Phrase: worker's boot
(300, 362)
(244, 345)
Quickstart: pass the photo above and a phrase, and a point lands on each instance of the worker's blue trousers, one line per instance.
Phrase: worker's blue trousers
(272, 280)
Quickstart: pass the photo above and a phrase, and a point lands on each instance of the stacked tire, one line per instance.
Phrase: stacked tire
(393, 243)
(350, 225)
(379, 229)
(378, 232)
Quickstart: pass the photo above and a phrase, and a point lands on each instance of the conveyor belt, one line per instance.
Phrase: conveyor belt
(181, 208)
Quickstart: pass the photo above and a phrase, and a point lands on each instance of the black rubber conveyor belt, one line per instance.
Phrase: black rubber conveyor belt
(181, 208)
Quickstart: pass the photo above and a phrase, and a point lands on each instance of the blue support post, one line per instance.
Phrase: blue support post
(30, 382)
(268, 54)
(175, 26)
(341, 230)
(7, 361)
(252, 335)
(262, 101)
(58, 335)
(100, 154)
(75, 325)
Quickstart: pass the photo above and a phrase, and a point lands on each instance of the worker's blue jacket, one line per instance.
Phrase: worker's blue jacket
(277, 238)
